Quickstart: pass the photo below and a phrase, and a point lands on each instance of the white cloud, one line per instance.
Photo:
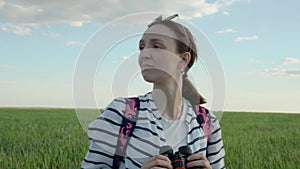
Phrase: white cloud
(77, 23)
(44, 32)
(227, 30)
(72, 43)
(290, 61)
(282, 72)
(51, 34)
(230, 2)
(255, 61)
(77, 12)
(246, 38)
(125, 57)
(226, 13)
(2, 3)
(6, 66)
(15, 29)
(7, 82)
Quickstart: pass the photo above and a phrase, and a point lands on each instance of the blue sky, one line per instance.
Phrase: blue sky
(256, 42)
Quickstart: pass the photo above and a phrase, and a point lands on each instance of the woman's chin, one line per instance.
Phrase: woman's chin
(152, 75)
(149, 79)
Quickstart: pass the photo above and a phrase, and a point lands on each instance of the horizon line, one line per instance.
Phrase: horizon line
(233, 111)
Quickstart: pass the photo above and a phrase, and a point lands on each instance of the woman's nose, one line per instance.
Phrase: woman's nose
(145, 53)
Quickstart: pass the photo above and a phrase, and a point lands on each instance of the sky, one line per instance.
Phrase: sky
(44, 43)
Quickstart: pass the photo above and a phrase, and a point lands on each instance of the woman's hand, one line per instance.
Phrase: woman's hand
(157, 162)
(198, 160)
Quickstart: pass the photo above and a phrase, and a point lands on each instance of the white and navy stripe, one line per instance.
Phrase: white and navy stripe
(147, 136)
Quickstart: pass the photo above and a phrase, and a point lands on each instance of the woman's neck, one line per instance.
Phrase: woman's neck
(168, 98)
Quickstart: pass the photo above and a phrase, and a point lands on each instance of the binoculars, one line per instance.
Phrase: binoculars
(179, 158)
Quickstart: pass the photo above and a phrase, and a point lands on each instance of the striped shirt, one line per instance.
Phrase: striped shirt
(148, 136)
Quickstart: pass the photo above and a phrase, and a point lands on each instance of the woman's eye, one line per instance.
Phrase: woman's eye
(157, 46)
(141, 47)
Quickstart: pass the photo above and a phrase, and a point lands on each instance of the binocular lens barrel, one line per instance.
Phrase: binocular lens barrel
(178, 158)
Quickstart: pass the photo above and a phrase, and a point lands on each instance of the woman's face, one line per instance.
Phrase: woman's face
(158, 58)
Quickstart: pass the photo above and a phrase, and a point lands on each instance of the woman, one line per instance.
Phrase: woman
(165, 116)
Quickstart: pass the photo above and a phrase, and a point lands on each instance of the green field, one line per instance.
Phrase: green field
(53, 138)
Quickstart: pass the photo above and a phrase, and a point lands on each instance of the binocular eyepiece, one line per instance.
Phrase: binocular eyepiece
(179, 158)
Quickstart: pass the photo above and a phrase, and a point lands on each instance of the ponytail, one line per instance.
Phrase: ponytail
(190, 92)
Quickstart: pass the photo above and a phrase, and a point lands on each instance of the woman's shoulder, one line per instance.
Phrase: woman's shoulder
(118, 105)
(203, 110)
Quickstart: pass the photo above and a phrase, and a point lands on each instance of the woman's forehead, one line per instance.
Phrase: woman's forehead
(159, 30)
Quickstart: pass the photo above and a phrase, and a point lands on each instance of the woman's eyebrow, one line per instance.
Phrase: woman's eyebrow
(141, 41)
(156, 40)
(152, 40)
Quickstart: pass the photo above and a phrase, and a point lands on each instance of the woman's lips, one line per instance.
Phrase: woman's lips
(146, 66)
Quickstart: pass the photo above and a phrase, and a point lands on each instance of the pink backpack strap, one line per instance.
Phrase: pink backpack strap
(126, 129)
(203, 119)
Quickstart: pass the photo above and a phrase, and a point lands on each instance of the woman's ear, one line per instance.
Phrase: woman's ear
(186, 58)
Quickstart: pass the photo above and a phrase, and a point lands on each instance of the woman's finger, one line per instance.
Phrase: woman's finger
(197, 156)
(158, 161)
(198, 160)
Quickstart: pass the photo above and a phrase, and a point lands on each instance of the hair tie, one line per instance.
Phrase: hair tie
(171, 17)
(160, 19)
